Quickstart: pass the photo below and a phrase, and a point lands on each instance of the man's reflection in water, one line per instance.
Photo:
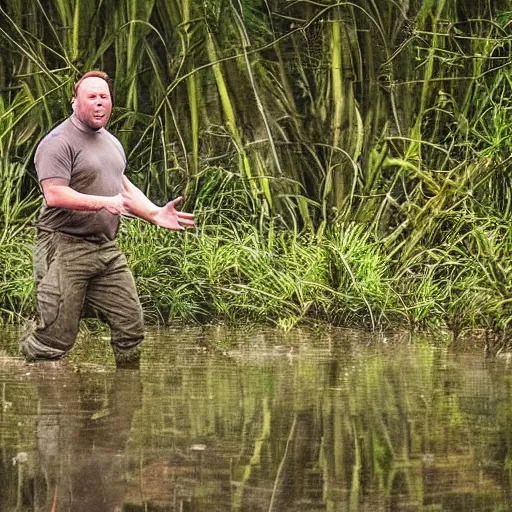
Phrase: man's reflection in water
(83, 427)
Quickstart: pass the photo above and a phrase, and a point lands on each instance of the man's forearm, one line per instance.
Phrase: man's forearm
(136, 203)
(62, 196)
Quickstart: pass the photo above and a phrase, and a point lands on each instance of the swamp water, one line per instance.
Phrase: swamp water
(239, 420)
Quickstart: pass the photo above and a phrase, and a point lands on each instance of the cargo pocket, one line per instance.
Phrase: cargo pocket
(48, 297)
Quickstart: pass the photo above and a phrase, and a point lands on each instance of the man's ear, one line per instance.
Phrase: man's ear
(73, 103)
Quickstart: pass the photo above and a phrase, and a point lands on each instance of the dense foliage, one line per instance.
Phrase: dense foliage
(347, 161)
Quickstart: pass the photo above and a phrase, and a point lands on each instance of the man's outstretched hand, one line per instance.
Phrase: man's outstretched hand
(168, 217)
(136, 204)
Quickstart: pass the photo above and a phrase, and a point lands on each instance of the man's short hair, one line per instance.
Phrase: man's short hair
(96, 74)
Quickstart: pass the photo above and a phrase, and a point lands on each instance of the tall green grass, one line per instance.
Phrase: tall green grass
(238, 276)
(219, 274)
(346, 159)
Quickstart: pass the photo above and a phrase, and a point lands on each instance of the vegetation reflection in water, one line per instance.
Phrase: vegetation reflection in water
(266, 421)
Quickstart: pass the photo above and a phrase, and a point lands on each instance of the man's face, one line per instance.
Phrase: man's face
(92, 103)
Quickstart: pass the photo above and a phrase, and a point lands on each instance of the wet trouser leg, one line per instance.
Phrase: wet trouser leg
(68, 271)
(113, 295)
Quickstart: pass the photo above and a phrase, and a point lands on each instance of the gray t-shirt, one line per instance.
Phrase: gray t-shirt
(92, 162)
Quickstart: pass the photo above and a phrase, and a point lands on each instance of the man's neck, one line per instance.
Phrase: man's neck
(82, 126)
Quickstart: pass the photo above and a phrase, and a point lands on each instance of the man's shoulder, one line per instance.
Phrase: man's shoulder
(110, 135)
(59, 133)
(115, 141)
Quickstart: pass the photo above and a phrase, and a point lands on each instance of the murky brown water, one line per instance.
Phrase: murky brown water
(265, 421)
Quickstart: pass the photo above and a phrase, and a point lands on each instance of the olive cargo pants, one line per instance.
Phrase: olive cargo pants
(73, 274)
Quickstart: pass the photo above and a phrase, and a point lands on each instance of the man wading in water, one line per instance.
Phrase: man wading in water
(77, 264)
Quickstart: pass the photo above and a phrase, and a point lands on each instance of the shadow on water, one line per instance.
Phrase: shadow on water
(238, 420)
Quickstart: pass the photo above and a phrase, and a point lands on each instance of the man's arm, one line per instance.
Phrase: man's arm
(135, 203)
(58, 194)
